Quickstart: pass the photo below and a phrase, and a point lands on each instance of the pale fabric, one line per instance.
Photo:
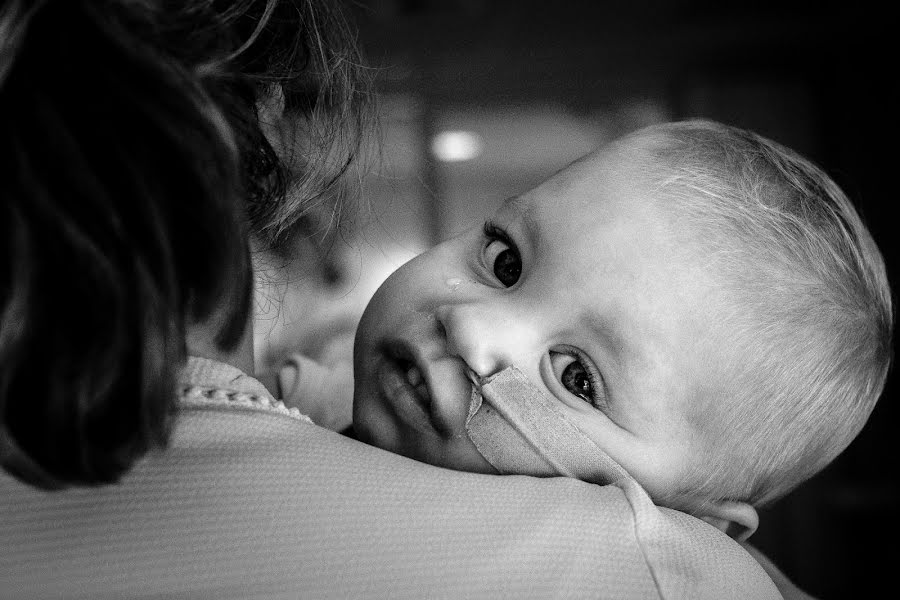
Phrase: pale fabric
(520, 430)
(252, 501)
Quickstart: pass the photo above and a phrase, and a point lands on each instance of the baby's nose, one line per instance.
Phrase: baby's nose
(486, 338)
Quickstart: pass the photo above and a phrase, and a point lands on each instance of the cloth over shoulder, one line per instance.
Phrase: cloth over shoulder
(251, 500)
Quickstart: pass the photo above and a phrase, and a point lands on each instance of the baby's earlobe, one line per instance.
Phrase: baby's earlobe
(738, 520)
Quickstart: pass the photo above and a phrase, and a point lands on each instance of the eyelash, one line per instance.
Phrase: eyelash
(596, 380)
(511, 271)
(492, 232)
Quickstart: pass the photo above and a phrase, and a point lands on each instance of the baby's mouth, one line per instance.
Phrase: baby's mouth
(414, 378)
(430, 393)
(404, 378)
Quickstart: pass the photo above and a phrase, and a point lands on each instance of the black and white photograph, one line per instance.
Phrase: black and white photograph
(413, 299)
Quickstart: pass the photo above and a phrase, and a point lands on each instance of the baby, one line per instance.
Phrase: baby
(696, 303)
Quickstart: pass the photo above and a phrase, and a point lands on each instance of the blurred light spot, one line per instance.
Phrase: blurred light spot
(456, 146)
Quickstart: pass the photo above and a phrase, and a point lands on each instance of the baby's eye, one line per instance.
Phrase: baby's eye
(501, 256)
(576, 377)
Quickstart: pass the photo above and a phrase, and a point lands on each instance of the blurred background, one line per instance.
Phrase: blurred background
(480, 100)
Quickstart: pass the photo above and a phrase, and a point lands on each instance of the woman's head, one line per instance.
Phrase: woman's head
(292, 85)
(134, 170)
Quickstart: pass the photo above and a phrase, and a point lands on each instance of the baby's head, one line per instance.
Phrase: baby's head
(704, 304)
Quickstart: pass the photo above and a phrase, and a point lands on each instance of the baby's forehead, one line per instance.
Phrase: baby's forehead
(631, 157)
(611, 184)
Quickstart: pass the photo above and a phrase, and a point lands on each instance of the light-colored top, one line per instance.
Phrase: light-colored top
(251, 500)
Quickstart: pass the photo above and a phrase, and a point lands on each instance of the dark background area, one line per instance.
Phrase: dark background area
(818, 78)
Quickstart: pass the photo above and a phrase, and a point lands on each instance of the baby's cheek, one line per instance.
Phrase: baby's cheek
(371, 424)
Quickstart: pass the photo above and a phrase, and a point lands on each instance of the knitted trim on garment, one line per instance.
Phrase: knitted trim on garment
(206, 382)
(195, 396)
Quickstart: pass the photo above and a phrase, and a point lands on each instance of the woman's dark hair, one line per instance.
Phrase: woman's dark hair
(133, 169)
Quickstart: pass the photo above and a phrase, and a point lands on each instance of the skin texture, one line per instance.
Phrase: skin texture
(612, 314)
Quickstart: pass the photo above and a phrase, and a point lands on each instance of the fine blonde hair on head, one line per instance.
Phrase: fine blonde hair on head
(807, 317)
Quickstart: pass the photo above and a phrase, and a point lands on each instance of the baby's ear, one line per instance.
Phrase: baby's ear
(737, 519)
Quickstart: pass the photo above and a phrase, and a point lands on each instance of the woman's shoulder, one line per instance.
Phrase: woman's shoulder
(256, 502)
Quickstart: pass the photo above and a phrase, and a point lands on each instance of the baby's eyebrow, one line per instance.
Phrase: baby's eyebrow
(517, 205)
(603, 330)
(510, 202)
(606, 332)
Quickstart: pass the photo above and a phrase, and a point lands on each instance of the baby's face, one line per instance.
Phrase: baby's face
(585, 286)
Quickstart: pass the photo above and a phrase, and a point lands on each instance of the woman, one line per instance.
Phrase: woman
(145, 147)
(184, 86)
